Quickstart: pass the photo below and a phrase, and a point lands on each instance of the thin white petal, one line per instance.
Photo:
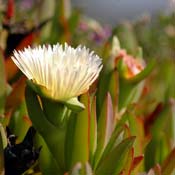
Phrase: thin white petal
(65, 72)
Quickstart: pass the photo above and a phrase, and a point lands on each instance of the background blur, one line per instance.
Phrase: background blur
(113, 11)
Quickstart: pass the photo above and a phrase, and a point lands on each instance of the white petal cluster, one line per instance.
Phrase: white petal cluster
(63, 71)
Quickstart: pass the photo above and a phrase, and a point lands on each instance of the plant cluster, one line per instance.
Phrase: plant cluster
(69, 110)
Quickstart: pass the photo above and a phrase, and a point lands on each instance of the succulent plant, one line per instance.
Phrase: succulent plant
(74, 116)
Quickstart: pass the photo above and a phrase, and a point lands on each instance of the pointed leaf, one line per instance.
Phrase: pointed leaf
(55, 137)
(129, 93)
(36, 114)
(169, 164)
(136, 125)
(137, 160)
(90, 112)
(105, 127)
(129, 161)
(104, 78)
(115, 138)
(19, 122)
(115, 161)
(3, 144)
(93, 130)
(79, 149)
(3, 136)
(17, 95)
(69, 140)
(74, 104)
(114, 89)
(2, 171)
(46, 161)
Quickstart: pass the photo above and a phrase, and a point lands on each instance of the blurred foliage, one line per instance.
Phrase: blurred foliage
(128, 125)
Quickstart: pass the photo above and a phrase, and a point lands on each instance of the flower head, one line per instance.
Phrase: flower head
(130, 65)
(62, 72)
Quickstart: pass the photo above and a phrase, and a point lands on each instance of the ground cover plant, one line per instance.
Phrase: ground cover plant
(82, 98)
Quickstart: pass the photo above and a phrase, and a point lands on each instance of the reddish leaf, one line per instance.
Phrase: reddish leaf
(105, 127)
(17, 94)
(130, 158)
(27, 120)
(152, 117)
(11, 68)
(27, 39)
(127, 131)
(136, 161)
(10, 9)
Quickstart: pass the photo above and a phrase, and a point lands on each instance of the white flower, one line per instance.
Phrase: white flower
(62, 72)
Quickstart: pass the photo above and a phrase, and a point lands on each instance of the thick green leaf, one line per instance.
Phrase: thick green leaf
(115, 138)
(69, 140)
(129, 160)
(36, 114)
(2, 145)
(107, 75)
(93, 130)
(55, 137)
(3, 136)
(168, 165)
(114, 162)
(47, 163)
(158, 148)
(114, 89)
(105, 128)
(19, 122)
(78, 133)
(104, 79)
(90, 114)
(136, 125)
(16, 96)
(128, 93)
(72, 104)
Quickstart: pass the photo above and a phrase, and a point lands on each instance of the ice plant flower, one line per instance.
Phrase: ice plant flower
(130, 65)
(60, 72)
